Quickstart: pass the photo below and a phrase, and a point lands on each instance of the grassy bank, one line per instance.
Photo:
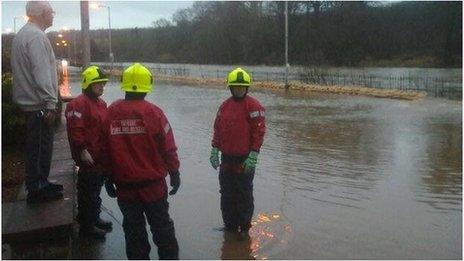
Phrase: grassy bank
(295, 86)
(404, 61)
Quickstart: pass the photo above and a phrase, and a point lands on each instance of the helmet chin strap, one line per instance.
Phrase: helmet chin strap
(238, 98)
(90, 93)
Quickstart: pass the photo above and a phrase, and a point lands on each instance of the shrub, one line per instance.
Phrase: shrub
(13, 120)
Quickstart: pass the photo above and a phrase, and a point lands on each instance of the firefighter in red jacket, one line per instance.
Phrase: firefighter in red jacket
(85, 116)
(238, 134)
(142, 149)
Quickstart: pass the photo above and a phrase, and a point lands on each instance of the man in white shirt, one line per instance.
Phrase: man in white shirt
(35, 90)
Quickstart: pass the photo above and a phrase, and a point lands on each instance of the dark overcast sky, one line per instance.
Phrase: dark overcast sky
(124, 14)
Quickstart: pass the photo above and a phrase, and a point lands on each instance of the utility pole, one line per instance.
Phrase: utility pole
(109, 37)
(85, 34)
(286, 45)
(110, 50)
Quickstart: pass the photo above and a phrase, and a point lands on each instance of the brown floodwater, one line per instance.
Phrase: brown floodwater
(338, 177)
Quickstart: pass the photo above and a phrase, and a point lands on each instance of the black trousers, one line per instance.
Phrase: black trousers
(161, 226)
(39, 149)
(89, 185)
(236, 188)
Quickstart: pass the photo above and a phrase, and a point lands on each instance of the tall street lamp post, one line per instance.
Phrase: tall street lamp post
(286, 45)
(111, 56)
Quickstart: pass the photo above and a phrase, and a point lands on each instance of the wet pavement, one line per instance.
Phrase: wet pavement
(338, 177)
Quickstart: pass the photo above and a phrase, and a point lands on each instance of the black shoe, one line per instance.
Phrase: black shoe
(54, 187)
(43, 195)
(103, 224)
(92, 232)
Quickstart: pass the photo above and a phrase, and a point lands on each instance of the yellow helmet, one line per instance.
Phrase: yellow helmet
(137, 78)
(238, 77)
(92, 74)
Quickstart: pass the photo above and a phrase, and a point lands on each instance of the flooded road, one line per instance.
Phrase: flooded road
(338, 177)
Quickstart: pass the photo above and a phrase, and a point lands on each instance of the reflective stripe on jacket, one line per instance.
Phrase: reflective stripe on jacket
(84, 122)
(239, 126)
(140, 142)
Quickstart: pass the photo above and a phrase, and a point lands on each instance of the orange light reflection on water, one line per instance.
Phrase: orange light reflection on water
(65, 90)
(266, 230)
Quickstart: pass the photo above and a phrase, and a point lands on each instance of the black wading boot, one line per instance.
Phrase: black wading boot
(92, 232)
(104, 224)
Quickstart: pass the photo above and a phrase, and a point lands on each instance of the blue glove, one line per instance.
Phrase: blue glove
(250, 163)
(214, 158)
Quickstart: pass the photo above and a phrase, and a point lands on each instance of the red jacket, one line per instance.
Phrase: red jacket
(142, 148)
(239, 126)
(84, 122)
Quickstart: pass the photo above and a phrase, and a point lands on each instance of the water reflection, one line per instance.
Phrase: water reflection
(270, 234)
(236, 248)
(85, 248)
(331, 146)
(335, 150)
(442, 173)
(65, 88)
(386, 172)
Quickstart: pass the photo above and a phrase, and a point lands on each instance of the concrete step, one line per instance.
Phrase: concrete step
(49, 221)
(23, 222)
